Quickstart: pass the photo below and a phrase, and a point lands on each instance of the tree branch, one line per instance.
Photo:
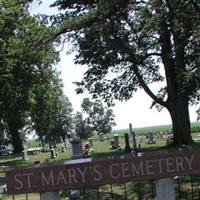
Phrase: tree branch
(147, 89)
(76, 23)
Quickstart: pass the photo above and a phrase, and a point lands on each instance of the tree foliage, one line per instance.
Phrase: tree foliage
(127, 43)
(22, 59)
(82, 128)
(52, 110)
(98, 117)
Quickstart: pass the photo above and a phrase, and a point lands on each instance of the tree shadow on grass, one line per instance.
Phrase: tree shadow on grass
(12, 160)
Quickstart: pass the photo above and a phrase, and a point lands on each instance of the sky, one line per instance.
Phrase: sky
(136, 110)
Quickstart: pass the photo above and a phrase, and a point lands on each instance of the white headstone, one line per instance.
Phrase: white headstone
(25, 154)
(116, 140)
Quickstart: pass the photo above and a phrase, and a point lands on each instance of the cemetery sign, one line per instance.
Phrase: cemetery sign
(92, 172)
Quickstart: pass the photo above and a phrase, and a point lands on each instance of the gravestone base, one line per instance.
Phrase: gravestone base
(78, 156)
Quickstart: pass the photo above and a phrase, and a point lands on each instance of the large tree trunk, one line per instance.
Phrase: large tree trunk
(16, 140)
(179, 112)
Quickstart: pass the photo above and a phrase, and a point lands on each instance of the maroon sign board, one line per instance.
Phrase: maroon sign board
(92, 172)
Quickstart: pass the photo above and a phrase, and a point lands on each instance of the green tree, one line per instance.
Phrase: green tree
(52, 111)
(99, 117)
(127, 43)
(22, 59)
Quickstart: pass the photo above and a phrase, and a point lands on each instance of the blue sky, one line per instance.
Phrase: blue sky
(135, 111)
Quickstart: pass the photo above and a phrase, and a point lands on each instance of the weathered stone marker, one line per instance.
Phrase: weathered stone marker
(165, 189)
(127, 146)
(25, 154)
(76, 154)
(133, 136)
(151, 138)
(49, 196)
(90, 140)
(101, 137)
(116, 141)
(76, 147)
(53, 153)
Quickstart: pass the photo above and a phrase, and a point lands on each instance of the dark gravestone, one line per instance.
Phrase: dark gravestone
(133, 136)
(127, 145)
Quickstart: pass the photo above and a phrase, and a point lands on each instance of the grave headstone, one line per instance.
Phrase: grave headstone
(75, 194)
(116, 141)
(76, 154)
(151, 138)
(90, 141)
(112, 144)
(53, 153)
(127, 145)
(165, 189)
(25, 154)
(49, 196)
(76, 147)
(101, 137)
(63, 148)
(132, 133)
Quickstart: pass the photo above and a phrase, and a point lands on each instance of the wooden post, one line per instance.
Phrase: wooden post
(165, 189)
(133, 135)
(49, 195)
